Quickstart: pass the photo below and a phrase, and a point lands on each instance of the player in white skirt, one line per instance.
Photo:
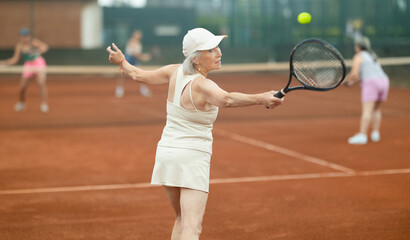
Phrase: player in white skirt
(183, 155)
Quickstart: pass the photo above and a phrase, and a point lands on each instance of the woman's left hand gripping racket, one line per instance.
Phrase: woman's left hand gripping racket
(317, 65)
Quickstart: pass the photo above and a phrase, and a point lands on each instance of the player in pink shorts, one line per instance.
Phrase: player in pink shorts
(375, 88)
(30, 49)
(31, 68)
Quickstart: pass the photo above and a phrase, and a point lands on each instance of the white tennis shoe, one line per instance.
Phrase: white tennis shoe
(19, 107)
(375, 136)
(119, 92)
(144, 91)
(358, 139)
(44, 108)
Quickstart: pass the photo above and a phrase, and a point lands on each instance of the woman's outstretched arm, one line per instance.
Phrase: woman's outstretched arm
(151, 77)
(216, 96)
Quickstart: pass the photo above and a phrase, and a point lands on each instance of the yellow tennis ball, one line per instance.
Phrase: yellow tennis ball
(304, 18)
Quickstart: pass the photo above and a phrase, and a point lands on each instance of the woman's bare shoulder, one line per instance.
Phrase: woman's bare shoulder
(170, 68)
(201, 82)
(167, 70)
(173, 67)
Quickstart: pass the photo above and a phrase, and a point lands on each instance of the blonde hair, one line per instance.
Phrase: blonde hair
(188, 65)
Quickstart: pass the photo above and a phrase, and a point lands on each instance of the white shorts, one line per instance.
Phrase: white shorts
(182, 167)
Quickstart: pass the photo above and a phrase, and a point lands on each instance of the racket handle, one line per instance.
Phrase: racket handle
(279, 94)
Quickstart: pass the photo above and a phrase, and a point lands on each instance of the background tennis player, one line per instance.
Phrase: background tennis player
(375, 88)
(134, 55)
(30, 49)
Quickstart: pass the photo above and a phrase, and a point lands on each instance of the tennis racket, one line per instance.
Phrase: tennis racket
(317, 65)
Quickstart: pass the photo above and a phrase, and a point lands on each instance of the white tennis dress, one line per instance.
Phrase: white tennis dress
(184, 151)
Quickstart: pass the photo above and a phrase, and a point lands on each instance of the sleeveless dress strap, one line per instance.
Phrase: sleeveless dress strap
(180, 84)
(190, 95)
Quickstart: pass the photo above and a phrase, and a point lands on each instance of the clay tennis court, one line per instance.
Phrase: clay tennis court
(82, 171)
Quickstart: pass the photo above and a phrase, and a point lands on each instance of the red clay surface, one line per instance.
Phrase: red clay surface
(80, 171)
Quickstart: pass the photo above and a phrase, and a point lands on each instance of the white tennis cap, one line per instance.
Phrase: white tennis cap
(199, 39)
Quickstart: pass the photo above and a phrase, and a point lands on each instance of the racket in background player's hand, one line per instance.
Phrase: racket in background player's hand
(317, 65)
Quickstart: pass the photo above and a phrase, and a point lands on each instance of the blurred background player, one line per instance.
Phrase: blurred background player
(30, 49)
(133, 55)
(375, 87)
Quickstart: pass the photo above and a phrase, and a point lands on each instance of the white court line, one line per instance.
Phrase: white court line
(284, 151)
(78, 188)
(309, 176)
(212, 181)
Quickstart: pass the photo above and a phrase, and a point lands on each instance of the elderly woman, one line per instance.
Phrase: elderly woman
(183, 154)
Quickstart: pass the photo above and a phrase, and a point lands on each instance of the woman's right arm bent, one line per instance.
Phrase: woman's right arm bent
(40, 45)
(153, 77)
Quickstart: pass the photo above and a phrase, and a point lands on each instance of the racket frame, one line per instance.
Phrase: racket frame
(304, 86)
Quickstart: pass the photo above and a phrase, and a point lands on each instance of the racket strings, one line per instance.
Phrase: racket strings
(317, 66)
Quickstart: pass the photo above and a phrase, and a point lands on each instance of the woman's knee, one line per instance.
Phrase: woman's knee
(192, 222)
(367, 111)
(42, 83)
(193, 227)
(193, 203)
(367, 114)
(24, 83)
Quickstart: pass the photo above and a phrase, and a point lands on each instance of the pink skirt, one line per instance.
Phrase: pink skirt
(31, 68)
(375, 90)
